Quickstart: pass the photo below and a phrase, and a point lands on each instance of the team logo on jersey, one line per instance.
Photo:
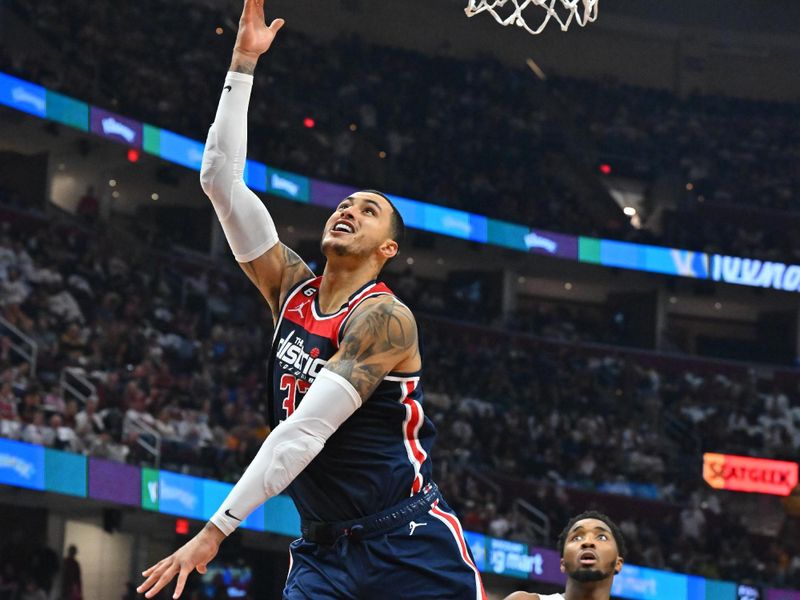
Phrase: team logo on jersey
(293, 357)
(299, 309)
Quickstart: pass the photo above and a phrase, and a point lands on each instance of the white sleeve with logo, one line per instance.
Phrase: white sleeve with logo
(329, 402)
(245, 220)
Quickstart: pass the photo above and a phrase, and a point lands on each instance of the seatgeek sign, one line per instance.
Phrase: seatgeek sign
(746, 474)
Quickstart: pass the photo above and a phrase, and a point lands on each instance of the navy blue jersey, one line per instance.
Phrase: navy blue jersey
(379, 456)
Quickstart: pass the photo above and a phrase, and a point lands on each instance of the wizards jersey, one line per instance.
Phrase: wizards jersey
(379, 456)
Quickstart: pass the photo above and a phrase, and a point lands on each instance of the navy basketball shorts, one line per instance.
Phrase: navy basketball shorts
(413, 551)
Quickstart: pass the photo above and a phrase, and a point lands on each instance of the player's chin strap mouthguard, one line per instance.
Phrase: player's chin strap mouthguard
(245, 220)
(291, 446)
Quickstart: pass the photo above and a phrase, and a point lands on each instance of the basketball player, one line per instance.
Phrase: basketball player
(350, 441)
(592, 550)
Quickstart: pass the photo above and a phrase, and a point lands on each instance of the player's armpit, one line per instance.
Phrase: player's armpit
(380, 337)
(275, 272)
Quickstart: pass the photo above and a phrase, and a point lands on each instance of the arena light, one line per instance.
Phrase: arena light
(747, 474)
(133, 155)
(605, 169)
(182, 526)
(309, 123)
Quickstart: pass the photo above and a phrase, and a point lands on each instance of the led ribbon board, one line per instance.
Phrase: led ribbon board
(36, 100)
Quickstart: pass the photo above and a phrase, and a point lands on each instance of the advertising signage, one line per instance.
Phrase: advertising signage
(509, 558)
(115, 482)
(180, 495)
(24, 96)
(641, 583)
(280, 516)
(67, 111)
(748, 592)
(552, 244)
(755, 273)
(21, 464)
(115, 127)
(514, 559)
(34, 99)
(546, 566)
(180, 149)
(775, 594)
(65, 473)
(330, 195)
(477, 545)
(746, 474)
(288, 185)
(255, 175)
(35, 467)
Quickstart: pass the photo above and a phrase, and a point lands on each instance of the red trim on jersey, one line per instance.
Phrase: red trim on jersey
(301, 309)
(372, 289)
(325, 329)
(411, 426)
(454, 526)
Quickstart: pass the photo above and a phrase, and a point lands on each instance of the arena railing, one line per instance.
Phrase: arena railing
(22, 345)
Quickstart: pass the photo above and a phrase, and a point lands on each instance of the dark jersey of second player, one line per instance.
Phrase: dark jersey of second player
(379, 456)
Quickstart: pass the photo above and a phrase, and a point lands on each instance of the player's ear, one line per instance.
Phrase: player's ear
(563, 566)
(618, 567)
(389, 249)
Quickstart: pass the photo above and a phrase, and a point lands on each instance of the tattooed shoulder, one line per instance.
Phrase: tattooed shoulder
(377, 338)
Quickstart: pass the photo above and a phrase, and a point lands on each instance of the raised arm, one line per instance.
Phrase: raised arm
(380, 337)
(248, 226)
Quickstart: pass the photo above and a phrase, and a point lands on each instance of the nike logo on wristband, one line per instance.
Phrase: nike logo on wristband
(228, 514)
(228, 88)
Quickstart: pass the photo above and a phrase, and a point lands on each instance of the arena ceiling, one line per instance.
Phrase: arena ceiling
(747, 48)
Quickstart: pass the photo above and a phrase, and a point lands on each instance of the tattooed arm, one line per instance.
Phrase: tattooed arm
(380, 337)
(275, 272)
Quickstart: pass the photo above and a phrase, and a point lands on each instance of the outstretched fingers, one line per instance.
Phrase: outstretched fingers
(152, 574)
(165, 578)
(182, 576)
(254, 9)
(158, 576)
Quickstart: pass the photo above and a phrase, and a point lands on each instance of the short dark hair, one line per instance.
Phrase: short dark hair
(397, 223)
(593, 514)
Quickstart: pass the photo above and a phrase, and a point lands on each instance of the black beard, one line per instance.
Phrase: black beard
(588, 575)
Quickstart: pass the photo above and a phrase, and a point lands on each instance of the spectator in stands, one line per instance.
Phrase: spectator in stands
(71, 584)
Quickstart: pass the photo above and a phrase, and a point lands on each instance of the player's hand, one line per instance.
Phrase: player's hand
(194, 554)
(254, 37)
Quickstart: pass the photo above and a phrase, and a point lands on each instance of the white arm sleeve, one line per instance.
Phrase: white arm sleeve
(245, 220)
(291, 446)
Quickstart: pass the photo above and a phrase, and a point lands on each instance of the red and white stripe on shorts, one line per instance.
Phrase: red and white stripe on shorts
(452, 523)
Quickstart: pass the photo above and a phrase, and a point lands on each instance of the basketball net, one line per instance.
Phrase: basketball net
(514, 12)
